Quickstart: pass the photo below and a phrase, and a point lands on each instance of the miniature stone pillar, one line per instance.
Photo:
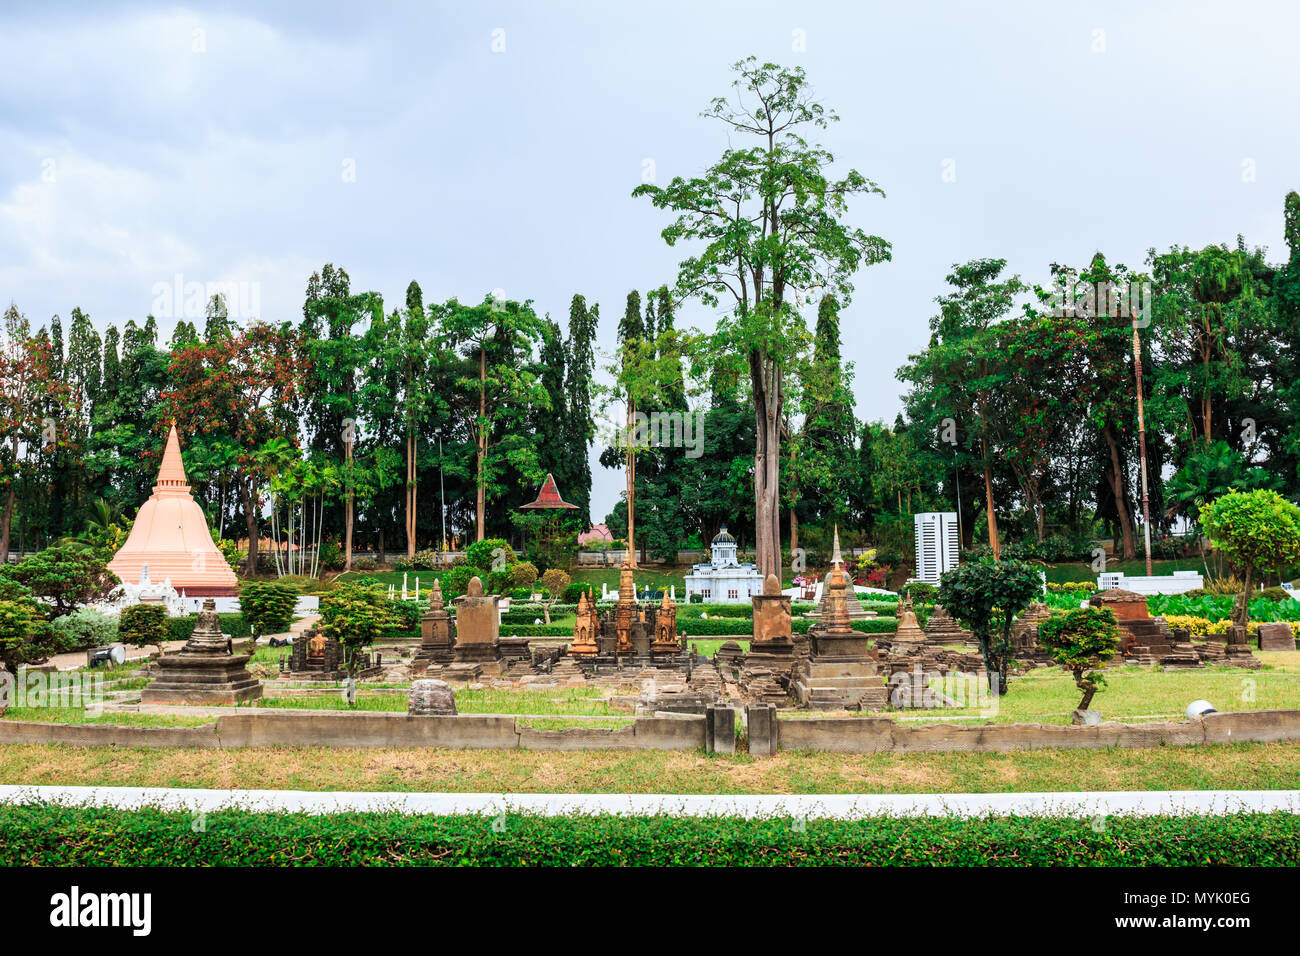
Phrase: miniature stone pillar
(436, 637)
(478, 625)
(585, 628)
(772, 631)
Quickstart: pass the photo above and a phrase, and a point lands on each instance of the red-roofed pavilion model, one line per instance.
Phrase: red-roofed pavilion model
(170, 536)
(549, 497)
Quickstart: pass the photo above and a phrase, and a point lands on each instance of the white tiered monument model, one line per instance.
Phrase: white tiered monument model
(724, 580)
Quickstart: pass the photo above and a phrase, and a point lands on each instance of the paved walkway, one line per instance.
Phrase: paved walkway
(77, 659)
(810, 806)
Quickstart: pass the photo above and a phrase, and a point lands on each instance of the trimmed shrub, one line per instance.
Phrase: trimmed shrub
(537, 630)
(142, 624)
(50, 835)
(83, 629)
(1196, 625)
(182, 628)
(407, 614)
(483, 554)
(267, 606)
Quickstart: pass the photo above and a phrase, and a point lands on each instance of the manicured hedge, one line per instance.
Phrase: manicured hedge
(45, 835)
(874, 625)
(180, 628)
(537, 630)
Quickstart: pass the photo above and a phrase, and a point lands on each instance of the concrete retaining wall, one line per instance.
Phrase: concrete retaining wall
(880, 734)
(768, 733)
(337, 729)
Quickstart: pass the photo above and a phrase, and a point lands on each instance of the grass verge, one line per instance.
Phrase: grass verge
(1236, 767)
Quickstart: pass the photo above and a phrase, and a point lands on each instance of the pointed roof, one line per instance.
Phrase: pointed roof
(170, 537)
(549, 497)
(836, 557)
(172, 472)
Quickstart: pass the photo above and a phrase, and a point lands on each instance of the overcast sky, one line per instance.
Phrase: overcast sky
(489, 146)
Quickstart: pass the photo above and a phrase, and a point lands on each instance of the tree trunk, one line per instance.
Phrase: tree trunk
(410, 493)
(1089, 691)
(5, 523)
(1241, 606)
(994, 542)
(767, 504)
(348, 515)
(480, 498)
(630, 472)
(1116, 479)
(250, 520)
(794, 529)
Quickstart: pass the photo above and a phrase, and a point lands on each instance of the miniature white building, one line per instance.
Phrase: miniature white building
(724, 580)
(1177, 583)
(146, 592)
(937, 545)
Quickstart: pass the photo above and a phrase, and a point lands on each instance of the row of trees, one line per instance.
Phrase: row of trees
(1027, 418)
(359, 419)
(355, 419)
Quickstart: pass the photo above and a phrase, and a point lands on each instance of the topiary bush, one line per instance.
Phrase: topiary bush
(142, 624)
(267, 606)
(232, 625)
(490, 554)
(83, 629)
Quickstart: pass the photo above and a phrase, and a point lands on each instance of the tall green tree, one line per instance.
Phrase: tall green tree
(579, 424)
(770, 219)
(498, 337)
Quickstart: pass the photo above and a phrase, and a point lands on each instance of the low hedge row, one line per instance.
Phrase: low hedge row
(536, 630)
(874, 625)
(699, 627)
(47, 835)
(181, 628)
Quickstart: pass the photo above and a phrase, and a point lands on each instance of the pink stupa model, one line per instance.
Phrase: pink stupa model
(170, 536)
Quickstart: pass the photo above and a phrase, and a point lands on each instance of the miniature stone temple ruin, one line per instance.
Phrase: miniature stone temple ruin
(765, 671)
(204, 671)
(841, 671)
(478, 630)
(941, 629)
(631, 635)
(437, 637)
(853, 607)
(314, 656)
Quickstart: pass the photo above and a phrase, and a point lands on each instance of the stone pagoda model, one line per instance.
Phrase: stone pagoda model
(854, 607)
(477, 648)
(204, 671)
(942, 629)
(437, 634)
(1024, 634)
(1142, 638)
(170, 536)
(765, 672)
(840, 673)
(631, 635)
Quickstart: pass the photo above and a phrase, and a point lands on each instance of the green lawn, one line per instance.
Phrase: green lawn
(1082, 570)
(78, 715)
(559, 702)
(1132, 694)
(427, 769)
